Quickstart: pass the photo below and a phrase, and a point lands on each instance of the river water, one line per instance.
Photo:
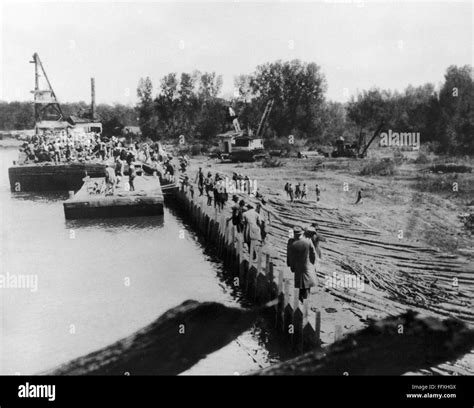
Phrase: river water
(101, 280)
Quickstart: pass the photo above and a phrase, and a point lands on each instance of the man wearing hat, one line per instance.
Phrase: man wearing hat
(260, 209)
(312, 233)
(237, 211)
(200, 181)
(252, 232)
(209, 187)
(301, 256)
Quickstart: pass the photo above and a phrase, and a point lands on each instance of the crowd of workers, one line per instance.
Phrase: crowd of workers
(63, 146)
(67, 146)
(248, 219)
(214, 187)
(218, 187)
(252, 220)
(300, 192)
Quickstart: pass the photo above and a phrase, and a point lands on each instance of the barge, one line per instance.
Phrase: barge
(52, 177)
(94, 201)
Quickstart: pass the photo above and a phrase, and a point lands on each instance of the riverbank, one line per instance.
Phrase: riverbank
(8, 142)
(363, 241)
(100, 280)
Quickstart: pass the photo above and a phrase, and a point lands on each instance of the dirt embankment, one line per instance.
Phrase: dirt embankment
(407, 245)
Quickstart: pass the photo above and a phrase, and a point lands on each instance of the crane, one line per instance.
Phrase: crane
(376, 133)
(45, 100)
(264, 119)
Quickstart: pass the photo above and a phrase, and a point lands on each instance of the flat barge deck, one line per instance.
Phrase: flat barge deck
(146, 200)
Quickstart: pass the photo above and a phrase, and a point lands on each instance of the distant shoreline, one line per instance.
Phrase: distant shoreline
(9, 142)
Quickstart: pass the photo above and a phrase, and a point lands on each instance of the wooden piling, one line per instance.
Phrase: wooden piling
(297, 324)
(288, 327)
(259, 258)
(256, 278)
(251, 282)
(309, 333)
(243, 272)
(317, 328)
(281, 302)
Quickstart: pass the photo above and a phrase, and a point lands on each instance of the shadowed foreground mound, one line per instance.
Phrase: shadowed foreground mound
(170, 345)
(391, 346)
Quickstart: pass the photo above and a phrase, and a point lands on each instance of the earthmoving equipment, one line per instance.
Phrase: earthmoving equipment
(241, 146)
(344, 149)
(264, 120)
(366, 147)
(356, 149)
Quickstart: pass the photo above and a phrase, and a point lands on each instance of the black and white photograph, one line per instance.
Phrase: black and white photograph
(237, 189)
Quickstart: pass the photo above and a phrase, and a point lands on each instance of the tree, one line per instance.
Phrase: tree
(456, 101)
(211, 118)
(332, 122)
(188, 105)
(146, 117)
(210, 85)
(243, 88)
(369, 109)
(297, 89)
(20, 115)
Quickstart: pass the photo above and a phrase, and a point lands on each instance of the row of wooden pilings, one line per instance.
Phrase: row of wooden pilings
(255, 276)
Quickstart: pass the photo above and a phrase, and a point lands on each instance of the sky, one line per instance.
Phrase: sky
(358, 44)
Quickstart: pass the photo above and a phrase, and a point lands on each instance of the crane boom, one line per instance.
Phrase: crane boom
(45, 100)
(264, 119)
(376, 133)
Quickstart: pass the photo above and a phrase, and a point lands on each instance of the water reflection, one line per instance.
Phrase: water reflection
(264, 332)
(117, 223)
(108, 279)
(40, 197)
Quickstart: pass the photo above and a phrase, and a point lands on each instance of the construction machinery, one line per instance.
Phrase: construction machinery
(245, 146)
(50, 124)
(48, 112)
(49, 115)
(356, 149)
(264, 120)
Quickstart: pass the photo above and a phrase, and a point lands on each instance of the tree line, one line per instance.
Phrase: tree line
(444, 118)
(189, 104)
(20, 115)
(185, 105)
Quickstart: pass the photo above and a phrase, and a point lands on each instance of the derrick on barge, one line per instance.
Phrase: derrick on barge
(50, 122)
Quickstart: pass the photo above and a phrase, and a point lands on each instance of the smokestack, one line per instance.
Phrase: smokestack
(93, 98)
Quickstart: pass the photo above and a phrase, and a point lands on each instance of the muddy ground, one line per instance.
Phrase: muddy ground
(405, 239)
